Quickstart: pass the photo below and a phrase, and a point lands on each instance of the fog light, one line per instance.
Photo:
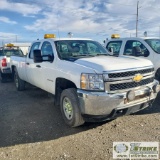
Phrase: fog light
(156, 88)
(130, 95)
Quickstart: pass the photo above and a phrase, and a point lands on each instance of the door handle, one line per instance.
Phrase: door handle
(27, 63)
(38, 66)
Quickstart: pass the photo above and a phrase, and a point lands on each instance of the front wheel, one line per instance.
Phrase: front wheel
(157, 75)
(20, 84)
(69, 104)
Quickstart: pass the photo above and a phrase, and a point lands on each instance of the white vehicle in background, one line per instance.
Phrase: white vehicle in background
(23, 46)
(5, 53)
(146, 47)
(88, 83)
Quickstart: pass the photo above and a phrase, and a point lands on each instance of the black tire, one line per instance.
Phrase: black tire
(12, 76)
(157, 75)
(3, 77)
(70, 95)
(19, 83)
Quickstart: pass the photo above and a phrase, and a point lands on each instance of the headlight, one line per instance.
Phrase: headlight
(92, 82)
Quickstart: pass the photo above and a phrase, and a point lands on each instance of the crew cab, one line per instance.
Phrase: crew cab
(5, 53)
(88, 83)
(145, 47)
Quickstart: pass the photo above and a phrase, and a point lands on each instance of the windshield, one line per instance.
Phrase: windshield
(11, 52)
(70, 49)
(154, 44)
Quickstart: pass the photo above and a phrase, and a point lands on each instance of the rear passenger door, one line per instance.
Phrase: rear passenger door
(31, 68)
(129, 49)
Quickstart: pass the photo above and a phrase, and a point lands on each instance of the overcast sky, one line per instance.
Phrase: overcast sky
(28, 20)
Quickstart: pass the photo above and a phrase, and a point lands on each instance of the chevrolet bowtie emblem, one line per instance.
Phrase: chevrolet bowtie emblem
(137, 78)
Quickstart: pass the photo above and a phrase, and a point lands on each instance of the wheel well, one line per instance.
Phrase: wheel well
(13, 69)
(64, 83)
(60, 85)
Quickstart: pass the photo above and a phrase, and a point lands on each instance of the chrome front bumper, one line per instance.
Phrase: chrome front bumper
(103, 104)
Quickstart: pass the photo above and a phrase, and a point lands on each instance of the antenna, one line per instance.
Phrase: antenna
(58, 26)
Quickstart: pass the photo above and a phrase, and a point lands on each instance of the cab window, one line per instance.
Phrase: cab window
(154, 44)
(1, 52)
(114, 47)
(46, 50)
(129, 48)
(12, 52)
(93, 48)
(34, 46)
(74, 49)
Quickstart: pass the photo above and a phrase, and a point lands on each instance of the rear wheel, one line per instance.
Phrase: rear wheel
(69, 104)
(20, 84)
(3, 78)
(12, 75)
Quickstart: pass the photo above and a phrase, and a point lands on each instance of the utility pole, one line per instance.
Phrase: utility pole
(2, 42)
(137, 20)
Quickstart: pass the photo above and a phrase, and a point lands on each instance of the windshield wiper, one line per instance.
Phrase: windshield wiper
(86, 55)
(104, 54)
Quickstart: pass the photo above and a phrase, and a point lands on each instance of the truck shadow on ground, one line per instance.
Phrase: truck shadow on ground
(30, 116)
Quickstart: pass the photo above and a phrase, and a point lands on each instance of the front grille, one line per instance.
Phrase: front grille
(130, 73)
(121, 86)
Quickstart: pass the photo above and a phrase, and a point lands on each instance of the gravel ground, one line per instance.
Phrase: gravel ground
(32, 128)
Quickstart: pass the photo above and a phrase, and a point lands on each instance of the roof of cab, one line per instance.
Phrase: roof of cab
(135, 38)
(59, 39)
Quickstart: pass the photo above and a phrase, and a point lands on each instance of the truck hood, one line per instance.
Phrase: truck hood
(110, 63)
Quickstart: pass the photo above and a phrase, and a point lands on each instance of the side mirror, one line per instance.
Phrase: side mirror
(111, 50)
(37, 57)
(146, 53)
(136, 51)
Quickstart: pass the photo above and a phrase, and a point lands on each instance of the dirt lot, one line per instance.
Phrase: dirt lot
(32, 128)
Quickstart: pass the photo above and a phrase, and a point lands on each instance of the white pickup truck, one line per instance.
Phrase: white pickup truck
(5, 53)
(23, 46)
(88, 83)
(145, 47)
